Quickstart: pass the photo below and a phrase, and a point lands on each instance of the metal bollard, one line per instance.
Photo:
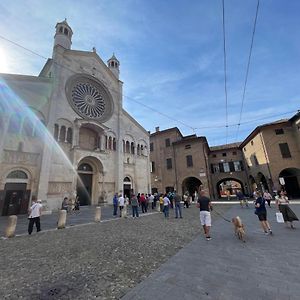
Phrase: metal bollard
(11, 226)
(62, 218)
(98, 214)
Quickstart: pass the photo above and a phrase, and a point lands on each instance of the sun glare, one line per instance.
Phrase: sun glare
(3, 60)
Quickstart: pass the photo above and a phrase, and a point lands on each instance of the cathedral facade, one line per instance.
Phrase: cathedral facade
(65, 133)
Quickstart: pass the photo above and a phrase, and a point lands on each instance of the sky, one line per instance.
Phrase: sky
(171, 57)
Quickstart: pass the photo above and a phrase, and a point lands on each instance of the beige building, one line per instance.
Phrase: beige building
(272, 155)
(65, 132)
(178, 163)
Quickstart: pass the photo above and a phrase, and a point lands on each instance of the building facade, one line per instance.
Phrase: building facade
(65, 132)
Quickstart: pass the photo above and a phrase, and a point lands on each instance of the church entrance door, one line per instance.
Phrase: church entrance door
(85, 183)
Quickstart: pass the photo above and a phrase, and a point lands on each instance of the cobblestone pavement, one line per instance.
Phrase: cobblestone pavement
(93, 261)
(266, 267)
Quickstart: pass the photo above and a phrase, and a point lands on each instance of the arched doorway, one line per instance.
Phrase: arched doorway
(291, 178)
(191, 185)
(85, 183)
(227, 187)
(127, 187)
(253, 185)
(16, 196)
(262, 182)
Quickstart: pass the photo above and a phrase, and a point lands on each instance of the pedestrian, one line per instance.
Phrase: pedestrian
(261, 212)
(65, 204)
(186, 200)
(143, 202)
(177, 202)
(204, 203)
(151, 200)
(115, 204)
(166, 206)
(134, 206)
(77, 204)
(268, 197)
(282, 204)
(161, 202)
(121, 202)
(241, 198)
(34, 212)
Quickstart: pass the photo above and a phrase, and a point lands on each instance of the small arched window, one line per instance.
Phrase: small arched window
(66, 31)
(60, 29)
(138, 150)
(62, 134)
(124, 149)
(132, 148)
(114, 144)
(127, 179)
(18, 174)
(69, 135)
(14, 124)
(27, 128)
(110, 143)
(127, 147)
(56, 127)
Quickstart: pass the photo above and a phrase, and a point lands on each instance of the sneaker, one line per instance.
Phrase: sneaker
(266, 233)
(270, 232)
(208, 238)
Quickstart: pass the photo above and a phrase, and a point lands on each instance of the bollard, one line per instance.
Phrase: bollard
(158, 206)
(98, 214)
(11, 226)
(124, 211)
(62, 218)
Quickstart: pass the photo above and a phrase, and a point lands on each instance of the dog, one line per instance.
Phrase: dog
(239, 228)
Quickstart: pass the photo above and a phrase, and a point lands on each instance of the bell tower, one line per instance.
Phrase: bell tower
(63, 35)
(113, 65)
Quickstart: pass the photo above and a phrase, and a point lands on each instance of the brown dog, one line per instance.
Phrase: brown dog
(239, 228)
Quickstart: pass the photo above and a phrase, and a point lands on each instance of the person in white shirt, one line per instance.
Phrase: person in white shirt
(167, 202)
(34, 215)
(121, 203)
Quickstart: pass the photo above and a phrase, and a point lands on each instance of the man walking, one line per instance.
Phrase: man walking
(121, 203)
(177, 200)
(34, 215)
(205, 206)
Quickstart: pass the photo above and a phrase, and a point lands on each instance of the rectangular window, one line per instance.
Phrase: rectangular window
(226, 167)
(237, 166)
(285, 151)
(214, 155)
(279, 131)
(151, 147)
(152, 167)
(187, 146)
(169, 163)
(234, 153)
(231, 166)
(221, 167)
(189, 160)
(224, 154)
(216, 168)
(167, 142)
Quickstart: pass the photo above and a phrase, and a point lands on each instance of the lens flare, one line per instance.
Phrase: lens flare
(21, 121)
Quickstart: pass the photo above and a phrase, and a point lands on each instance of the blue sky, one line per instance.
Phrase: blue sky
(171, 55)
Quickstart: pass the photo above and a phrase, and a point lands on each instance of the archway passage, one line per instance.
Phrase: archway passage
(191, 185)
(227, 187)
(127, 187)
(291, 178)
(84, 183)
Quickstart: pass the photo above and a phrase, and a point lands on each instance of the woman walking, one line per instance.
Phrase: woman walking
(167, 203)
(282, 204)
(261, 212)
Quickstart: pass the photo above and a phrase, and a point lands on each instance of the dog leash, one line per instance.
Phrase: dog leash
(221, 215)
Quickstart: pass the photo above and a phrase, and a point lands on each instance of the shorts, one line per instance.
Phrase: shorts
(262, 216)
(205, 218)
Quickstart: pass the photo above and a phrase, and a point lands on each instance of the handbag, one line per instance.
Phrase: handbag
(279, 217)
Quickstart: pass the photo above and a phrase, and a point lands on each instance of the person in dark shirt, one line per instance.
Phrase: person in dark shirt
(205, 206)
(261, 212)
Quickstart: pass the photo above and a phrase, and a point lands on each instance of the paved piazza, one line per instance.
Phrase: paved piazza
(114, 259)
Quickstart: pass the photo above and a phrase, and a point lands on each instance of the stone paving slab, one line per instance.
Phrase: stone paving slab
(265, 267)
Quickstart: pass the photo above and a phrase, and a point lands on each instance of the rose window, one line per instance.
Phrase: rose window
(89, 98)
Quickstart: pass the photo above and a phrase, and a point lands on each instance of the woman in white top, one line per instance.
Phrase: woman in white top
(282, 205)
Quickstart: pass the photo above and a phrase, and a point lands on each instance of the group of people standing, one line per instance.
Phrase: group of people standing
(281, 201)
